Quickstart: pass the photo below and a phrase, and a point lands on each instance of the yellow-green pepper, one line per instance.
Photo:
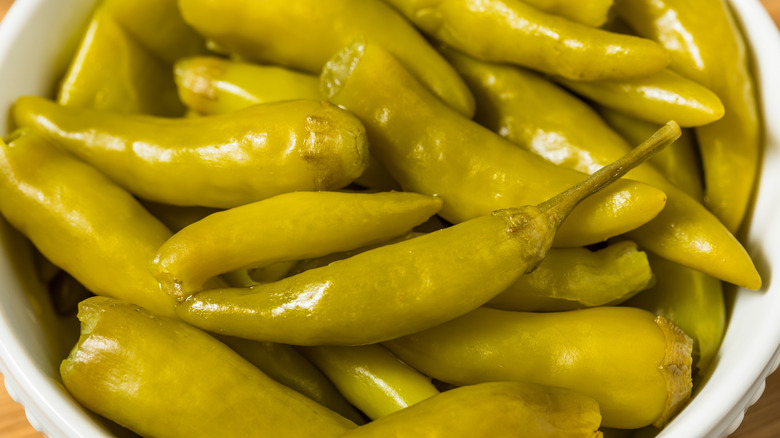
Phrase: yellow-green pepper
(513, 32)
(211, 85)
(428, 148)
(535, 114)
(372, 378)
(219, 161)
(287, 366)
(657, 97)
(705, 45)
(408, 286)
(693, 301)
(635, 365)
(304, 34)
(681, 165)
(259, 233)
(81, 221)
(495, 409)
(573, 278)
(111, 71)
(594, 13)
(161, 377)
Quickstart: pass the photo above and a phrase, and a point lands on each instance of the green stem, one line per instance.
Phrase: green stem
(560, 205)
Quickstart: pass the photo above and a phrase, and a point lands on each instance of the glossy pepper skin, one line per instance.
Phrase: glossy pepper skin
(161, 377)
(220, 161)
(573, 278)
(304, 34)
(372, 378)
(513, 32)
(635, 365)
(537, 115)
(81, 221)
(497, 409)
(259, 234)
(429, 148)
(657, 98)
(290, 368)
(408, 286)
(681, 165)
(111, 71)
(730, 147)
(211, 85)
(693, 300)
(594, 13)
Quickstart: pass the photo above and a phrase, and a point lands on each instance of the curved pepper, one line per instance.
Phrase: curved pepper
(81, 221)
(573, 278)
(681, 165)
(304, 34)
(372, 378)
(258, 234)
(219, 161)
(287, 366)
(594, 13)
(658, 97)
(537, 115)
(211, 85)
(429, 148)
(496, 409)
(693, 301)
(408, 286)
(718, 60)
(635, 365)
(161, 377)
(111, 71)
(511, 31)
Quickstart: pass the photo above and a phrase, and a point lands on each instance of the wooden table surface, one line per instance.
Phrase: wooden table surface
(761, 421)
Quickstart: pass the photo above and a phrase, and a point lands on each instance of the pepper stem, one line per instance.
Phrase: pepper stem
(559, 206)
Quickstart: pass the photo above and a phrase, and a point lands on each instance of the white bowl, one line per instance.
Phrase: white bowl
(37, 39)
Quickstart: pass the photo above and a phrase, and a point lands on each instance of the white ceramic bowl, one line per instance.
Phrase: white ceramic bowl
(37, 39)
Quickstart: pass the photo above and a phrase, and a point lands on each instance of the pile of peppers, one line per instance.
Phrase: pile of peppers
(390, 217)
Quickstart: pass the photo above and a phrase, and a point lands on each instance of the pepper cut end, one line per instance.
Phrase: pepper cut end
(338, 69)
(676, 369)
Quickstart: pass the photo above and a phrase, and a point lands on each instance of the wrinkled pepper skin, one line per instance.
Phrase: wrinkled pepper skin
(634, 364)
(573, 278)
(211, 85)
(659, 97)
(730, 147)
(539, 116)
(496, 409)
(220, 161)
(430, 149)
(304, 34)
(510, 31)
(407, 286)
(160, 377)
(111, 71)
(693, 301)
(681, 164)
(82, 222)
(258, 234)
(372, 378)
(287, 366)
(594, 13)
